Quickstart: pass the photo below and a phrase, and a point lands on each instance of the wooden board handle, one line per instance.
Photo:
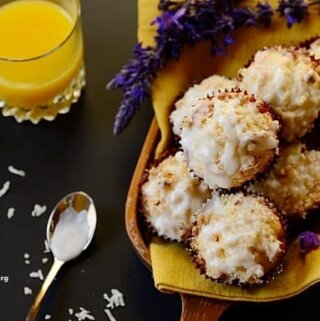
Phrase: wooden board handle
(202, 309)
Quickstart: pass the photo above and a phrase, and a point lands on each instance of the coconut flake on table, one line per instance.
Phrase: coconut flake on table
(70, 311)
(46, 247)
(10, 213)
(109, 314)
(47, 317)
(27, 291)
(38, 210)
(26, 257)
(4, 188)
(37, 275)
(84, 315)
(115, 300)
(16, 171)
(45, 260)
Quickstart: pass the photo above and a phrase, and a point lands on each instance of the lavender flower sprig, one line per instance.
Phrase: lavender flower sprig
(188, 23)
(294, 10)
(134, 79)
(308, 241)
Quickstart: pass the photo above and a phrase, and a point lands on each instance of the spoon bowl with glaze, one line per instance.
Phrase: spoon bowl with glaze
(70, 229)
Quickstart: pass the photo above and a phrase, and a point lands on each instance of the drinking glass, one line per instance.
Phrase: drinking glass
(41, 58)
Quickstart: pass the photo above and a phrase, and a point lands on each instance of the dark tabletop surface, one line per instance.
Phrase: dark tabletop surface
(78, 152)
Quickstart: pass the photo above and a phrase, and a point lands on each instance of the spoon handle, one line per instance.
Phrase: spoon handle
(33, 312)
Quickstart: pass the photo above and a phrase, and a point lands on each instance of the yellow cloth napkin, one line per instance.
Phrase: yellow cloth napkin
(173, 270)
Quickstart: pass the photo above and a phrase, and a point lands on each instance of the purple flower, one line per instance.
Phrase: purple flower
(188, 22)
(228, 40)
(244, 17)
(166, 4)
(134, 79)
(293, 10)
(308, 242)
(264, 14)
(169, 19)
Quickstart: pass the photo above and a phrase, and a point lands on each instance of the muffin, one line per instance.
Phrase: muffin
(315, 48)
(238, 239)
(287, 79)
(184, 107)
(294, 181)
(169, 197)
(231, 137)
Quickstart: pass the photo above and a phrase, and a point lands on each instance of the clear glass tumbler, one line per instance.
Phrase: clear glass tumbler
(41, 58)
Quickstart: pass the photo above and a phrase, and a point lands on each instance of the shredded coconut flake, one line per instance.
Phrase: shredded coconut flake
(286, 79)
(27, 291)
(115, 300)
(84, 315)
(46, 247)
(229, 139)
(16, 171)
(71, 311)
(37, 275)
(47, 317)
(109, 314)
(172, 188)
(293, 183)
(38, 210)
(45, 260)
(4, 188)
(239, 237)
(208, 86)
(10, 213)
(27, 262)
(26, 256)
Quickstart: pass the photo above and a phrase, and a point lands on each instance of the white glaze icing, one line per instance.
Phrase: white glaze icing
(171, 196)
(315, 48)
(234, 229)
(226, 134)
(288, 81)
(184, 107)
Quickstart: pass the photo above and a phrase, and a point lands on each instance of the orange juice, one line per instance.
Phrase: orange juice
(41, 51)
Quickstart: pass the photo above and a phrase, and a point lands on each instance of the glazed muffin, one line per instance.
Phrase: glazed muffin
(315, 48)
(287, 79)
(184, 107)
(238, 239)
(231, 137)
(294, 181)
(169, 197)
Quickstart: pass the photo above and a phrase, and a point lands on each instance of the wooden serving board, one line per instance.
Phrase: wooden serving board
(193, 308)
(197, 308)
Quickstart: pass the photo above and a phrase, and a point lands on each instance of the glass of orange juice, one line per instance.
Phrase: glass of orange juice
(41, 58)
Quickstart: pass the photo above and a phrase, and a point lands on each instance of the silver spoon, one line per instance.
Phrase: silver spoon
(79, 201)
